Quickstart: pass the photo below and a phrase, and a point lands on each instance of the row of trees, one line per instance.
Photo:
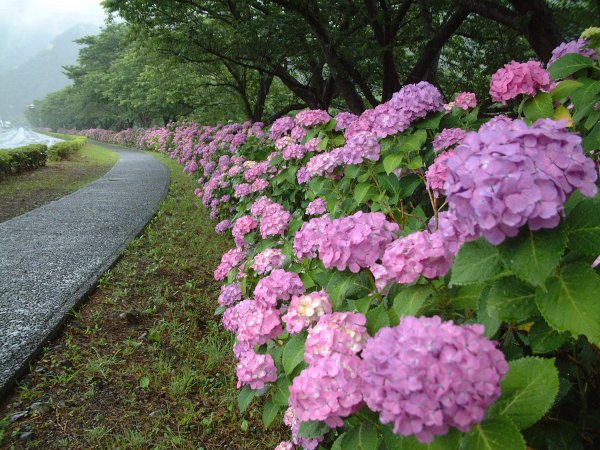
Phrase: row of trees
(214, 60)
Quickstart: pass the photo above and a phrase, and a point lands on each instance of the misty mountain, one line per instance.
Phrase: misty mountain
(18, 45)
(40, 74)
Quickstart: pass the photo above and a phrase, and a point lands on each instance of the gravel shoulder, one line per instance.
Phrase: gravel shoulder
(52, 257)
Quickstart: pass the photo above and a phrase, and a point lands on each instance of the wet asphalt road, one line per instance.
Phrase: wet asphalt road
(52, 257)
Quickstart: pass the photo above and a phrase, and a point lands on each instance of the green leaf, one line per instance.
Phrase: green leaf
(270, 411)
(377, 318)
(361, 305)
(476, 262)
(467, 297)
(490, 323)
(511, 300)
(538, 107)
(144, 382)
(449, 441)
(245, 398)
(570, 301)
(543, 339)
(293, 352)
(343, 285)
(497, 433)
(430, 123)
(528, 391)
(392, 162)
(410, 299)
(564, 89)
(415, 163)
(583, 224)
(362, 192)
(313, 429)
(390, 183)
(362, 437)
(568, 65)
(280, 392)
(585, 97)
(413, 142)
(533, 255)
(592, 141)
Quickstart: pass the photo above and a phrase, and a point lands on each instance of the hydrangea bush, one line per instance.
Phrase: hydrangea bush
(421, 275)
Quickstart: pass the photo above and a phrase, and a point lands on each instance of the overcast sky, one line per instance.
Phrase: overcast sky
(58, 15)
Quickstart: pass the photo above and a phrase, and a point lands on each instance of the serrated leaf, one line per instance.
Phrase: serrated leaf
(343, 285)
(270, 411)
(293, 352)
(467, 297)
(543, 339)
(583, 224)
(245, 398)
(562, 113)
(511, 300)
(528, 390)
(415, 163)
(497, 433)
(592, 141)
(476, 262)
(564, 89)
(533, 255)
(392, 162)
(568, 65)
(313, 429)
(377, 318)
(449, 441)
(430, 123)
(491, 324)
(361, 305)
(362, 192)
(410, 299)
(362, 437)
(570, 301)
(413, 142)
(538, 107)
(280, 392)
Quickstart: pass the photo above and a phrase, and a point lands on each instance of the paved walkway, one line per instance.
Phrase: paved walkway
(51, 257)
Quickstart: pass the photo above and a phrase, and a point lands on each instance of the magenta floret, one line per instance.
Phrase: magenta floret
(255, 370)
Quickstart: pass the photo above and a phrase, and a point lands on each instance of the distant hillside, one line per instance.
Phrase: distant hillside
(17, 46)
(40, 74)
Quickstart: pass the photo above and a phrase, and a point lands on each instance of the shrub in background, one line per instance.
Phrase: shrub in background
(22, 159)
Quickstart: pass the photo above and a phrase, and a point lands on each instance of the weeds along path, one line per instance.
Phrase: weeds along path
(51, 257)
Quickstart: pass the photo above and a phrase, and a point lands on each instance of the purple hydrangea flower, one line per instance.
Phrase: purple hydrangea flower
(230, 294)
(448, 138)
(424, 376)
(316, 207)
(578, 46)
(223, 226)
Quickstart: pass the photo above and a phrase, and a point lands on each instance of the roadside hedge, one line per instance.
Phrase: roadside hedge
(62, 150)
(22, 159)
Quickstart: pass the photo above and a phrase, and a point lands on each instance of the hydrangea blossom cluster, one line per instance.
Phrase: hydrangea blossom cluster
(268, 260)
(242, 227)
(230, 294)
(354, 242)
(316, 207)
(230, 259)
(531, 172)
(360, 146)
(223, 226)
(312, 117)
(291, 420)
(253, 322)
(340, 332)
(279, 285)
(465, 100)
(438, 172)
(328, 390)
(448, 138)
(285, 445)
(343, 120)
(578, 46)
(255, 370)
(281, 126)
(308, 239)
(409, 257)
(274, 220)
(305, 310)
(424, 376)
(518, 78)
(294, 151)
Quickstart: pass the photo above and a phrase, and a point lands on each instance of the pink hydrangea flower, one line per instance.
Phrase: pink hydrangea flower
(291, 420)
(343, 120)
(312, 117)
(328, 390)
(340, 332)
(279, 285)
(268, 260)
(305, 310)
(424, 376)
(438, 172)
(465, 100)
(360, 146)
(242, 190)
(356, 241)
(298, 133)
(285, 445)
(280, 127)
(255, 370)
(294, 151)
(274, 221)
(255, 171)
(448, 138)
(259, 206)
(229, 260)
(409, 257)
(316, 207)
(531, 172)
(253, 322)
(242, 227)
(308, 239)
(230, 294)
(223, 226)
(517, 78)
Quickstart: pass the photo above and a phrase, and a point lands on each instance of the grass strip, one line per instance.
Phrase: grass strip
(29, 190)
(145, 363)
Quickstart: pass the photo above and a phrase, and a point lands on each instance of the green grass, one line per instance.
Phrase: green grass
(24, 192)
(165, 381)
